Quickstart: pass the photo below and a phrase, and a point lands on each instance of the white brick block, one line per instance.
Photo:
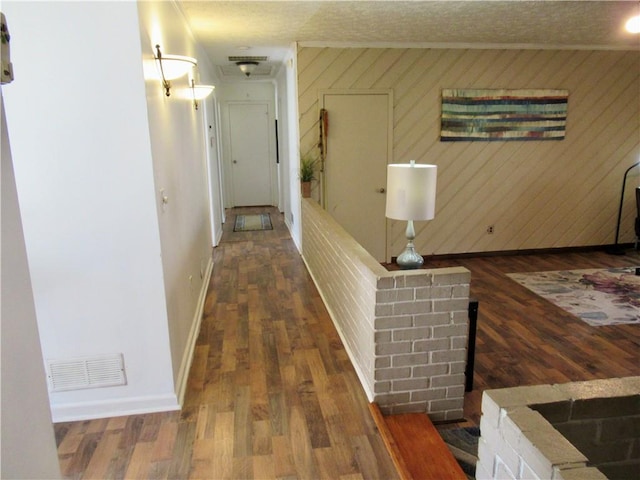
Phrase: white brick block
(431, 345)
(447, 380)
(448, 356)
(459, 291)
(418, 279)
(409, 385)
(431, 394)
(392, 373)
(447, 331)
(430, 370)
(457, 367)
(383, 362)
(455, 392)
(392, 398)
(432, 319)
(451, 305)
(482, 473)
(441, 292)
(503, 471)
(390, 322)
(410, 360)
(446, 404)
(412, 308)
(382, 387)
(416, 333)
(393, 348)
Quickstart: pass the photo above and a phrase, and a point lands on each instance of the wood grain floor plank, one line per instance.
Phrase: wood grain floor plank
(272, 393)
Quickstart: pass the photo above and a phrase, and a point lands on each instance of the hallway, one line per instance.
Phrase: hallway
(271, 394)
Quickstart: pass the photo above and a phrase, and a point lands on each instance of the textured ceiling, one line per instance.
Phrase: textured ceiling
(271, 27)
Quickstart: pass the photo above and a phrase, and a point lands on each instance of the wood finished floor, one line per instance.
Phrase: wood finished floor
(272, 394)
(523, 339)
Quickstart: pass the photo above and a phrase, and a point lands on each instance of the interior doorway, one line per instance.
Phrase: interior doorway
(359, 147)
(251, 173)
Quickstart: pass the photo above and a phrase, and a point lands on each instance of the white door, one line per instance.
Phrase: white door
(358, 151)
(249, 148)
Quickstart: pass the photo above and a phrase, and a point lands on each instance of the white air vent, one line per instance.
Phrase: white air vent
(248, 59)
(86, 372)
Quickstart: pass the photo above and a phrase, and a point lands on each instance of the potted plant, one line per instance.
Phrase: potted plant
(307, 174)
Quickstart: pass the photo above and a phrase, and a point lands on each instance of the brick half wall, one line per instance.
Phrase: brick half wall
(405, 331)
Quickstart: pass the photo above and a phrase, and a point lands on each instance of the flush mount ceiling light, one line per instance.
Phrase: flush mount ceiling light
(633, 24)
(172, 67)
(247, 67)
(199, 92)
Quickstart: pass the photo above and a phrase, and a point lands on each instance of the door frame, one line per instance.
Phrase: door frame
(360, 91)
(227, 167)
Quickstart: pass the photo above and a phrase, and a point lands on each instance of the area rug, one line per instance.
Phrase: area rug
(250, 223)
(597, 296)
(463, 444)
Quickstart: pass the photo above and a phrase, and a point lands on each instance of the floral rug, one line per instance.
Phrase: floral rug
(598, 296)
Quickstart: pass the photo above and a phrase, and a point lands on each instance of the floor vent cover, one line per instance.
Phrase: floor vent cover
(86, 372)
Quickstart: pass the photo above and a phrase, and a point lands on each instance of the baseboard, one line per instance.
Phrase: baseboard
(118, 407)
(187, 357)
(530, 251)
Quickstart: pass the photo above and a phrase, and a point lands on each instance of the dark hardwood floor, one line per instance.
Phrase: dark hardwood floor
(272, 393)
(523, 339)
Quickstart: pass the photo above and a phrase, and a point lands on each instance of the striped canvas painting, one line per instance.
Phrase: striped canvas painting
(469, 115)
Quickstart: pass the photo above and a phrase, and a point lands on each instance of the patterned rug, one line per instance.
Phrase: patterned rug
(597, 296)
(250, 223)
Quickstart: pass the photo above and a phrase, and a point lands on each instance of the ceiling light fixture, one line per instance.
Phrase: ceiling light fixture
(247, 67)
(633, 24)
(172, 67)
(200, 92)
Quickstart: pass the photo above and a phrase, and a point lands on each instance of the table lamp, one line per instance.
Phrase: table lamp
(411, 195)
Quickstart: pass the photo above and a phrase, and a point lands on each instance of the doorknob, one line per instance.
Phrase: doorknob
(235, 161)
(381, 190)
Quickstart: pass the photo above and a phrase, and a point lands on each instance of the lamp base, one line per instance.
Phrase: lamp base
(409, 259)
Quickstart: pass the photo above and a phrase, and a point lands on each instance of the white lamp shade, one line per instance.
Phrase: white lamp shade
(411, 191)
(176, 66)
(202, 91)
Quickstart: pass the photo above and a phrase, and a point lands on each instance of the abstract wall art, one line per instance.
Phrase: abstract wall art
(490, 115)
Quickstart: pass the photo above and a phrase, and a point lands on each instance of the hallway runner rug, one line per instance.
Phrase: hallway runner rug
(603, 296)
(251, 223)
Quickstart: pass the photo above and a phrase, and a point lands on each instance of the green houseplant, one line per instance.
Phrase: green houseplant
(307, 174)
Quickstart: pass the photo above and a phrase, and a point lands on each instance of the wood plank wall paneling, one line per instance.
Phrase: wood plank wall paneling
(537, 194)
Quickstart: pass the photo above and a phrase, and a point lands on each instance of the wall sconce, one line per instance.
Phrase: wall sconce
(172, 67)
(199, 92)
(411, 195)
(247, 67)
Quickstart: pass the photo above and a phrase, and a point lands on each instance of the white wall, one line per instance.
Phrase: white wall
(27, 432)
(290, 147)
(79, 130)
(178, 144)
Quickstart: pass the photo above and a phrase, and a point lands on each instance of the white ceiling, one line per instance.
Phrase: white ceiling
(269, 28)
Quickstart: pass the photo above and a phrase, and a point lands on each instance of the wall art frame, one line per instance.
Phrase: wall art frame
(503, 115)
